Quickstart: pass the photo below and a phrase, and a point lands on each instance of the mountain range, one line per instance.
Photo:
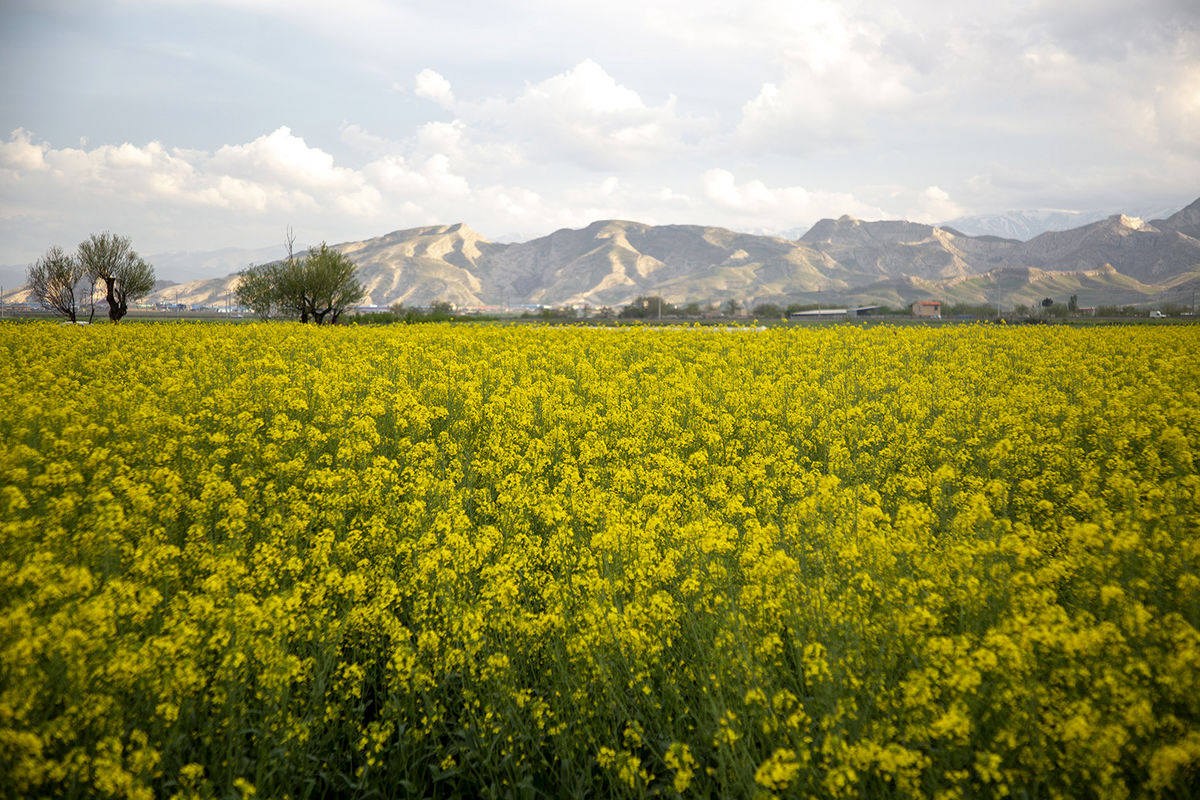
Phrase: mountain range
(1117, 260)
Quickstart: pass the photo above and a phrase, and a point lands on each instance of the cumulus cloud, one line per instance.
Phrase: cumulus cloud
(431, 85)
(243, 194)
(837, 74)
(277, 177)
(756, 205)
(20, 153)
(467, 150)
(848, 76)
(933, 204)
(583, 115)
(283, 158)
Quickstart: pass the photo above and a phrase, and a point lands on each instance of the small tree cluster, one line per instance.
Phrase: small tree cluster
(651, 307)
(440, 311)
(1118, 311)
(318, 287)
(63, 282)
(557, 314)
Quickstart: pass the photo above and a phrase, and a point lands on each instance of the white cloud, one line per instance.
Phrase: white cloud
(280, 157)
(465, 150)
(585, 116)
(934, 204)
(433, 179)
(754, 205)
(469, 150)
(837, 74)
(276, 178)
(1176, 112)
(20, 153)
(244, 193)
(431, 85)
(854, 76)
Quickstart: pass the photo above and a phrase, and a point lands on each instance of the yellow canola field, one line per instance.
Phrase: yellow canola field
(546, 562)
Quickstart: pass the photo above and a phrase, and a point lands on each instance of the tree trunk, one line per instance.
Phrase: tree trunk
(116, 306)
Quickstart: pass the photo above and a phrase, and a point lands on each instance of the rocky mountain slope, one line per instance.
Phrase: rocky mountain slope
(611, 262)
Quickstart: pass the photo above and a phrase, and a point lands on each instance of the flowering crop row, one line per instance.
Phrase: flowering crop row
(495, 561)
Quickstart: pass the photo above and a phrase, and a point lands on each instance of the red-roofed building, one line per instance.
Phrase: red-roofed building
(927, 308)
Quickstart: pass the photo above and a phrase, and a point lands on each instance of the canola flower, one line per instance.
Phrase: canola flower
(442, 561)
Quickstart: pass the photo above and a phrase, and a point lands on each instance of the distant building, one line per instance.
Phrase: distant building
(824, 313)
(927, 308)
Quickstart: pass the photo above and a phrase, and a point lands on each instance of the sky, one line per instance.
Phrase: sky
(195, 125)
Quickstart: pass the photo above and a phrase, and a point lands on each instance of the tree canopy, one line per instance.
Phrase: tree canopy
(318, 287)
(110, 258)
(54, 280)
(332, 284)
(257, 289)
(57, 278)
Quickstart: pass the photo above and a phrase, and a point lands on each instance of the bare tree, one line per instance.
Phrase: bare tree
(55, 280)
(289, 241)
(110, 258)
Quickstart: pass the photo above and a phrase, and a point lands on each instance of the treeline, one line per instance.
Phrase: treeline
(399, 313)
(651, 307)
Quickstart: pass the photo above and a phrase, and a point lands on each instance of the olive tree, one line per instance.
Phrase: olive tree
(110, 258)
(256, 289)
(332, 284)
(318, 287)
(55, 280)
